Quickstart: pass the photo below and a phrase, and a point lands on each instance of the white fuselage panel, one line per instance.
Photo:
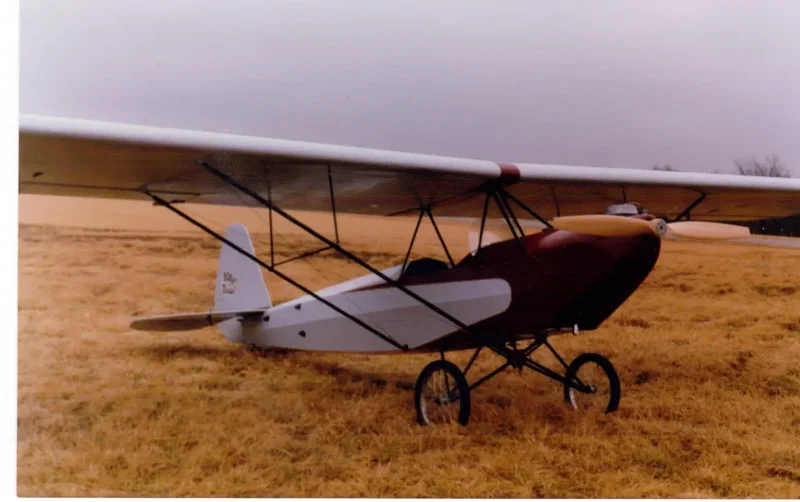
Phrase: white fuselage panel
(308, 324)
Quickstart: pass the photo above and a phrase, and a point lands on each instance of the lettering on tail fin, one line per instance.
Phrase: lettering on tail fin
(228, 284)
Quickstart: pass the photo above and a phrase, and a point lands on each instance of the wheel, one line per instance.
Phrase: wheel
(591, 384)
(442, 394)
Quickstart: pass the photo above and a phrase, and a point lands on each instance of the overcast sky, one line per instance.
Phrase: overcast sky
(608, 83)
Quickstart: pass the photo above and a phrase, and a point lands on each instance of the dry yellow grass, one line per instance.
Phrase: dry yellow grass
(707, 351)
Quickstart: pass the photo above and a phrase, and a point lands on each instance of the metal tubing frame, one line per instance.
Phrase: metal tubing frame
(309, 253)
(687, 213)
(543, 370)
(472, 360)
(423, 211)
(275, 271)
(300, 256)
(413, 238)
(504, 197)
(490, 375)
(553, 351)
(506, 217)
(333, 204)
(483, 221)
(555, 200)
(530, 211)
(271, 235)
(439, 235)
(512, 356)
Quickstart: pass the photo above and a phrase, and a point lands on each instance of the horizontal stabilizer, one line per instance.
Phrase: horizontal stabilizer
(189, 322)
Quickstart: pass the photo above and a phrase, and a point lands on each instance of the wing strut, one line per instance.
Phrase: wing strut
(483, 220)
(439, 235)
(529, 210)
(502, 198)
(413, 238)
(426, 210)
(687, 213)
(508, 217)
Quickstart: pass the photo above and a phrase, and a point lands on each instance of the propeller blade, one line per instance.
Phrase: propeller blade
(707, 230)
(603, 225)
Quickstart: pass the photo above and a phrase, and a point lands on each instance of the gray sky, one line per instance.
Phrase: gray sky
(618, 83)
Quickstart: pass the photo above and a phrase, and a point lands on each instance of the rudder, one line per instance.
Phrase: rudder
(240, 285)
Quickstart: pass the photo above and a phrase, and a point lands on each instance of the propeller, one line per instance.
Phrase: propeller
(707, 230)
(605, 225)
(623, 226)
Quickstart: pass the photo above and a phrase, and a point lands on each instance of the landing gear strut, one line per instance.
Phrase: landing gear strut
(442, 394)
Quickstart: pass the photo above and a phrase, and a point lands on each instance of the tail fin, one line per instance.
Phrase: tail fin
(240, 285)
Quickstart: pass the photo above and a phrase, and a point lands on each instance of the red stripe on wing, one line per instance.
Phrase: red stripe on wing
(509, 174)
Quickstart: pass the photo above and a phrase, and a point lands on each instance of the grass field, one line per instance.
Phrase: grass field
(707, 351)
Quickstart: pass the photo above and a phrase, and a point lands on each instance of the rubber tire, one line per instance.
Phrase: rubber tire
(608, 368)
(460, 381)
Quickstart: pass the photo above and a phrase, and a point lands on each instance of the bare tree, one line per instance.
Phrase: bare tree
(771, 167)
(663, 167)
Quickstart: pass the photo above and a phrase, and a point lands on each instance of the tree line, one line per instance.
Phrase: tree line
(772, 167)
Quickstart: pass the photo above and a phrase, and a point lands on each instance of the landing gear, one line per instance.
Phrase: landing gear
(591, 384)
(442, 395)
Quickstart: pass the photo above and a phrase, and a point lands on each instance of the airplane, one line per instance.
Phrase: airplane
(514, 290)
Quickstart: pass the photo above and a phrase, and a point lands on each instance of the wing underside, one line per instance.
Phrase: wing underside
(95, 159)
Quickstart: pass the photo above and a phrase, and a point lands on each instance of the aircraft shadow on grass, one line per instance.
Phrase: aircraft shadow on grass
(363, 383)
(164, 353)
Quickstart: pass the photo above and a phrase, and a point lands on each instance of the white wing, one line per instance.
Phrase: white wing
(89, 158)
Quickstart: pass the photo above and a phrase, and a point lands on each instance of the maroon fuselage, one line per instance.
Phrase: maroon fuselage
(558, 279)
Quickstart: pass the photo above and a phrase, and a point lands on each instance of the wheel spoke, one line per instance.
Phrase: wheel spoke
(593, 375)
(592, 385)
(439, 395)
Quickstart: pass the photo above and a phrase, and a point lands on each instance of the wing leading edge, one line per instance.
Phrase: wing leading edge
(101, 159)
